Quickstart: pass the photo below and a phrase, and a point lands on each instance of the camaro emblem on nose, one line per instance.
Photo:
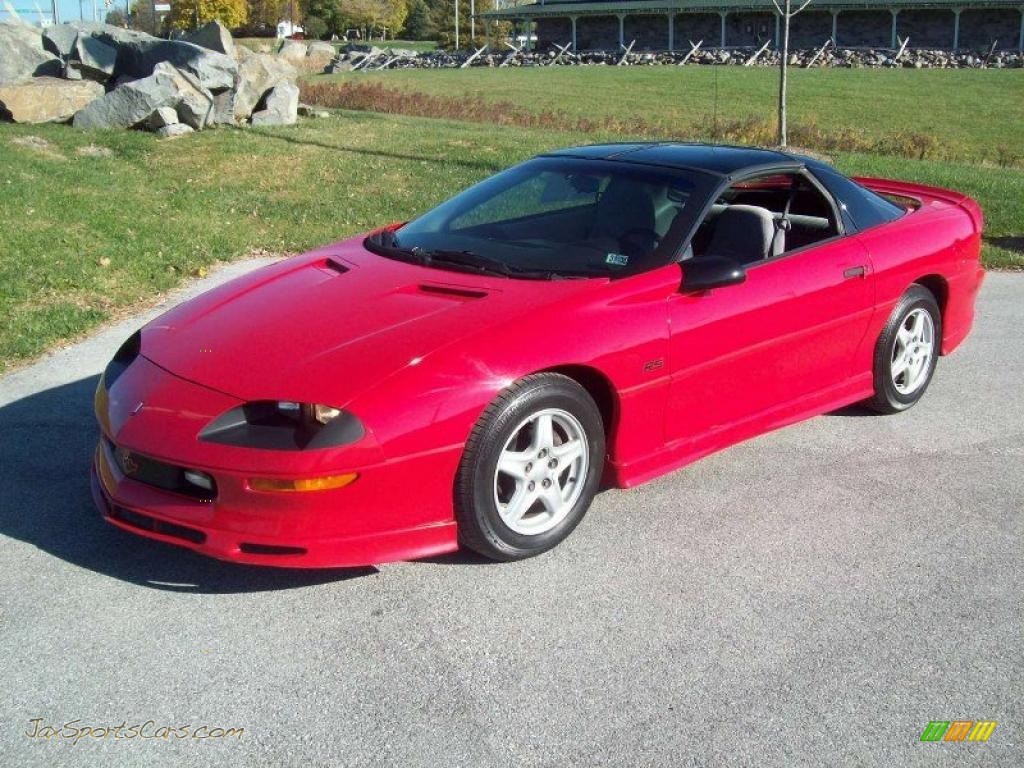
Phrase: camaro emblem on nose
(137, 408)
(128, 464)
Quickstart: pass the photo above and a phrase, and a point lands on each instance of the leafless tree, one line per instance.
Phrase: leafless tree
(786, 13)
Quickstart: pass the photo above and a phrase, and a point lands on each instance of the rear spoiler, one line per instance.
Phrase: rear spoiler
(924, 193)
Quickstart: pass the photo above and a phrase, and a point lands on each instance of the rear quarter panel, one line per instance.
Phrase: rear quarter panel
(938, 242)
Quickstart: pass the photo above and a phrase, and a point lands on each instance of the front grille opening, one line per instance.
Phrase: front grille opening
(147, 523)
(270, 549)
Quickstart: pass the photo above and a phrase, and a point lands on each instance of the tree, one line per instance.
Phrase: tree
(785, 16)
(419, 24)
(189, 14)
(315, 27)
(115, 18)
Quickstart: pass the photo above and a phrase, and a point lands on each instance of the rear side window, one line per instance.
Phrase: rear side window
(862, 207)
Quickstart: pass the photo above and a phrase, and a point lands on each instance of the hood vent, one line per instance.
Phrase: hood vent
(337, 266)
(462, 294)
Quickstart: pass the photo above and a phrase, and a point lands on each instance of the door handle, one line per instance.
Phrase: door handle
(854, 272)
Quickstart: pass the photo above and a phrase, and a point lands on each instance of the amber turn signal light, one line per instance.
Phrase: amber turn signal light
(326, 483)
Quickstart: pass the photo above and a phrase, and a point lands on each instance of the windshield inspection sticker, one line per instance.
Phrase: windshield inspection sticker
(617, 259)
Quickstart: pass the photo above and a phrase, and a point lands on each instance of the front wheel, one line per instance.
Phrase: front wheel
(530, 469)
(907, 351)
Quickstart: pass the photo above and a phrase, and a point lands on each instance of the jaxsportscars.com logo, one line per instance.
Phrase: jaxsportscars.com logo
(958, 730)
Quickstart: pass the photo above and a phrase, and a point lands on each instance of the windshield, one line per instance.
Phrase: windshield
(554, 217)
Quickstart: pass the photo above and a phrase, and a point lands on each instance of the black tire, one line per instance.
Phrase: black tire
(480, 525)
(887, 397)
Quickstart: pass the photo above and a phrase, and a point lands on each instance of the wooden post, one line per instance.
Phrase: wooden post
(694, 47)
(991, 51)
(508, 58)
(626, 53)
(903, 47)
(760, 50)
(821, 50)
(473, 58)
(562, 51)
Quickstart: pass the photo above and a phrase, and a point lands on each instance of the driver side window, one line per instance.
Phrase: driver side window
(765, 216)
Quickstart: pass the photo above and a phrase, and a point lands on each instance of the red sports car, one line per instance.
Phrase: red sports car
(603, 314)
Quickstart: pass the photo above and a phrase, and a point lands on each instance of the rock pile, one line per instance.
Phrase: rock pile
(100, 76)
(365, 58)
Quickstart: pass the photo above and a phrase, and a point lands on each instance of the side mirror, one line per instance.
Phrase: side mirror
(707, 272)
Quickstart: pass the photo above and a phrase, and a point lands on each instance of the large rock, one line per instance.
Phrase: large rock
(293, 50)
(257, 74)
(213, 36)
(93, 58)
(280, 107)
(320, 48)
(160, 118)
(131, 103)
(174, 130)
(22, 54)
(59, 39)
(139, 53)
(196, 107)
(46, 99)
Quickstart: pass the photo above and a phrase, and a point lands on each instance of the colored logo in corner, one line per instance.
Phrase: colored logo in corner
(958, 730)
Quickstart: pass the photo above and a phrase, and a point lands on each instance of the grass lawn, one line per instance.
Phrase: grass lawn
(972, 115)
(89, 235)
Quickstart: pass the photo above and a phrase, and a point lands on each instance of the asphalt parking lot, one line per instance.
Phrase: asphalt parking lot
(813, 597)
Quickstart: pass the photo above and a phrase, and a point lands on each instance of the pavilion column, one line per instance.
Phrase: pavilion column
(1020, 40)
(723, 14)
(893, 38)
(572, 20)
(528, 24)
(622, 29)
(835, 29)
(956, 29)
(671, 31)
(778, 31)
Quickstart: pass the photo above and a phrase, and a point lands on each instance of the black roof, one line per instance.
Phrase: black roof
(714, 158)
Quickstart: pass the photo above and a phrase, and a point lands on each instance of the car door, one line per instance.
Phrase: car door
(782, 339)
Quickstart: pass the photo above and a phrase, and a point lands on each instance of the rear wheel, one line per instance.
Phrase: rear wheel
(530, 469)
(907, 351)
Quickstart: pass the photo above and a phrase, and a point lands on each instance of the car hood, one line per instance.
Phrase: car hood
(325, 326)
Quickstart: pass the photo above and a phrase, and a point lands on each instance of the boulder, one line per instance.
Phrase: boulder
(223, 108)
(131, 103)
(213, 36)
(161, 117)
(196, 106)
(293, 50)
(257, 74)
(22, 54)
(93, 58)
(174, 130)
(46, 99)
(139, 53)
(320, 48)
(59, 39)
(280, 107)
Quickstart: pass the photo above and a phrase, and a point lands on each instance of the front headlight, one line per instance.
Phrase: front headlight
(284, 425)
(124, 356)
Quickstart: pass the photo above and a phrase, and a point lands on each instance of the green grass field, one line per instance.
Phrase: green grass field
(972, 115)
(95, 224)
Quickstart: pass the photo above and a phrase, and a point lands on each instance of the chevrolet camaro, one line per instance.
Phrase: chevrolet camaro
(594, 317)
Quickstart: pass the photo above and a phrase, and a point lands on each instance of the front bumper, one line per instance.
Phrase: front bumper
(396, 510)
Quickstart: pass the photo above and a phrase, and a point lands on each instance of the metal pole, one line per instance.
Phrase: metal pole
(956, 29)
(456, 25)
(472, 21)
